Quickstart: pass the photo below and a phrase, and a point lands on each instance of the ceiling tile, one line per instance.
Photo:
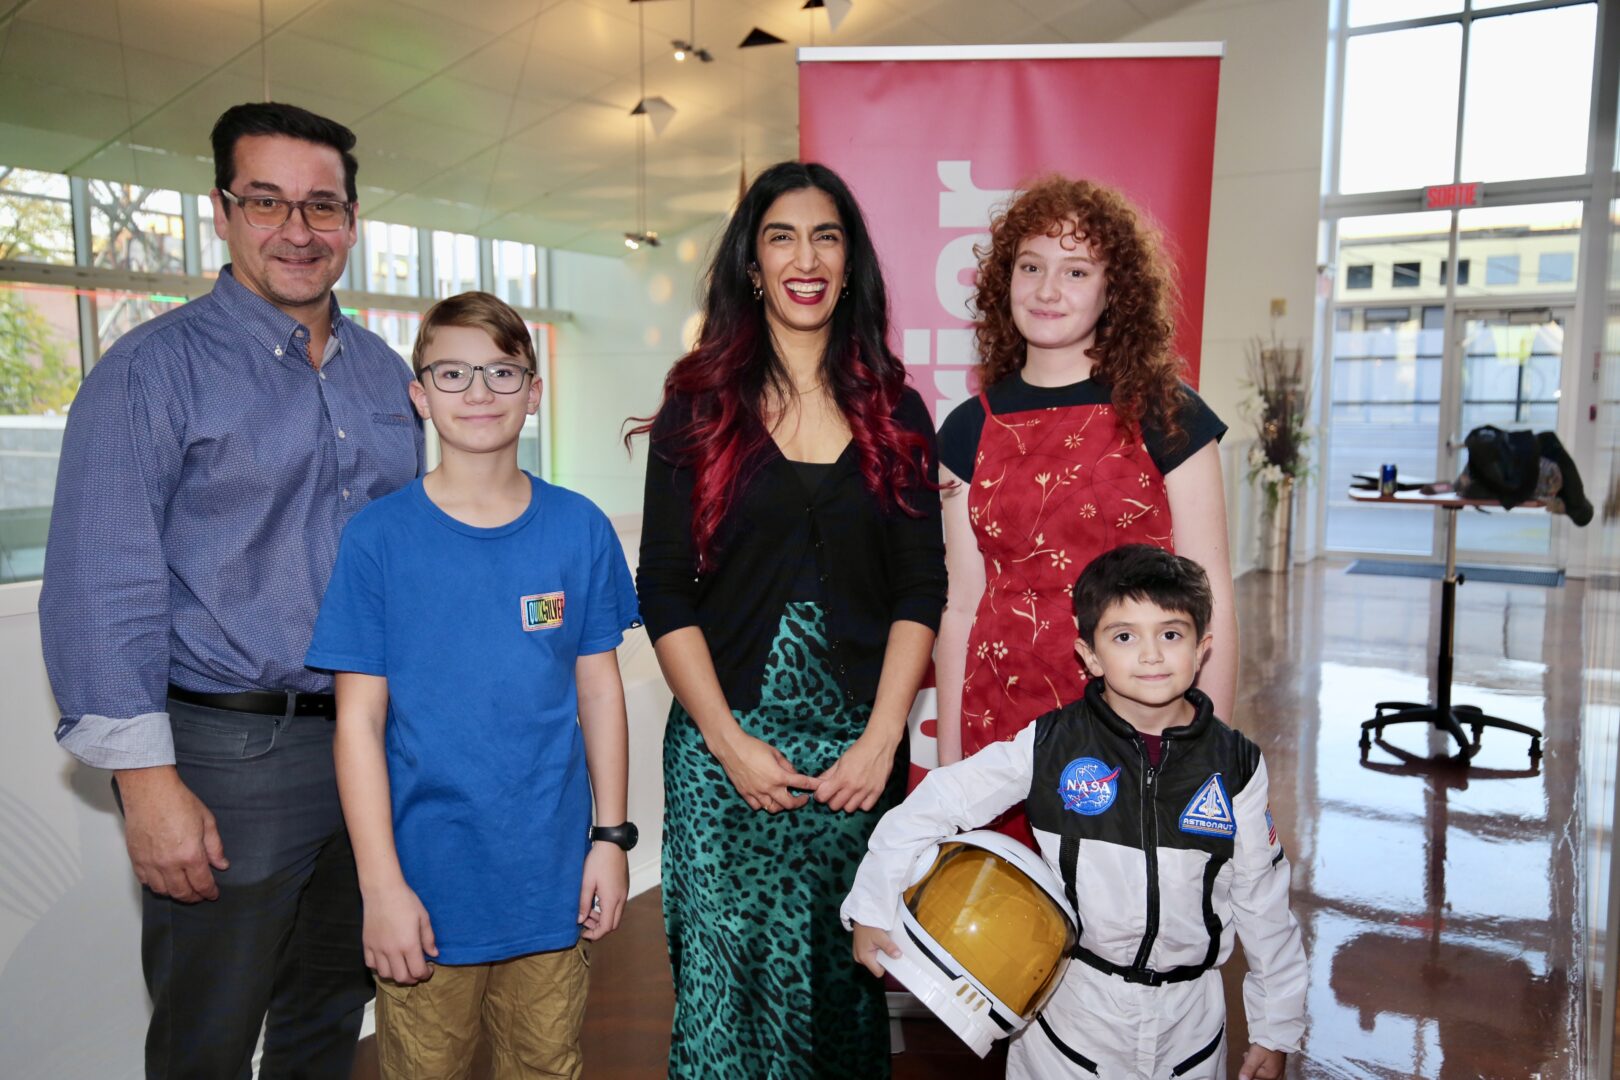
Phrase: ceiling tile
(1154, 10)
(587, 35)
(966, 23)
(489, 16)
(405, 35)
(91, 18)
(49, 56)
(454, 103)
(1097, 20)
(65, 109)
(300, 65)
(191, 32)
(509, 65)
(664, 18)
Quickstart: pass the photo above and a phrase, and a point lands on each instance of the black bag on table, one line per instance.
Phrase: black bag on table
(1513, 467)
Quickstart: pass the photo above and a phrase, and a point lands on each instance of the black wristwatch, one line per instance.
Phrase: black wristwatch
(624, 835)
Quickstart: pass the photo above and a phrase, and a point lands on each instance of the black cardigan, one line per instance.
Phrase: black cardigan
(877, 565)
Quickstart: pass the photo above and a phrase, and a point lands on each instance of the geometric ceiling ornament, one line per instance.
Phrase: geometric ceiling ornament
(757, 37)
(657, 111)
(837, 10)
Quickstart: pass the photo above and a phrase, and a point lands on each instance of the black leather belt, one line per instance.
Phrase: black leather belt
(263, 702)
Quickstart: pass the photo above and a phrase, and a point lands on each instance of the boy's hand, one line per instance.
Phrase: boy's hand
(868, 940)
(762, 774)
(857, 779)
(604, 890)
(398, 936)
(1262, 1064)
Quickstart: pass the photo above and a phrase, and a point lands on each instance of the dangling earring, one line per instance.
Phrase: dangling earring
(844, 293)
(759, 292)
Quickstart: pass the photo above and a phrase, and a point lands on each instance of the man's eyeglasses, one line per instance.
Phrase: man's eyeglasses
(454, 376)
(268, 212)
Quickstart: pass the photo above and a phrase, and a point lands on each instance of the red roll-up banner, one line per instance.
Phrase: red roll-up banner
(931, 139)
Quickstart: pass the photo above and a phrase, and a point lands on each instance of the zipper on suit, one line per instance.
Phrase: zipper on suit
(1150, 846)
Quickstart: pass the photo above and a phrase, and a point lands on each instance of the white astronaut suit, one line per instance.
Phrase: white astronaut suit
(1161, 865)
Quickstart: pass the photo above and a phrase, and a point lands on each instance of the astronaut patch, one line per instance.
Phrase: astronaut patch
(1210, 811)
(1087, 786)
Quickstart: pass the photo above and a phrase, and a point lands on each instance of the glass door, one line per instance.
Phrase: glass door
(1442, 322)
(1507, 365)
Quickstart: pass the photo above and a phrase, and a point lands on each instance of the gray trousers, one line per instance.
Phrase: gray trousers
(280, 949)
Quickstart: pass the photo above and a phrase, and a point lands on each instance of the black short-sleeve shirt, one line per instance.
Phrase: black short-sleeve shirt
(959, 435)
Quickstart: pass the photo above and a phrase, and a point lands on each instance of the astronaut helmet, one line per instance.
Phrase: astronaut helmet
(985, 935)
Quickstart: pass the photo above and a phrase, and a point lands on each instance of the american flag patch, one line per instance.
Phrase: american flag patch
(1271, 829)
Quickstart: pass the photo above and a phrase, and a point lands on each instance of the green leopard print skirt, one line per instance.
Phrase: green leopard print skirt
(765, 988)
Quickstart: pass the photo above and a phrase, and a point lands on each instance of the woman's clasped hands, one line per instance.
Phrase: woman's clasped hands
(762, 774)
(768, 781)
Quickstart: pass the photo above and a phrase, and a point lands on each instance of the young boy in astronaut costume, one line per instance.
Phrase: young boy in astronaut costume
(1153, 813)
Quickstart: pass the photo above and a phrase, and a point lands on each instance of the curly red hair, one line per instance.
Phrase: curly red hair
(1132, 352)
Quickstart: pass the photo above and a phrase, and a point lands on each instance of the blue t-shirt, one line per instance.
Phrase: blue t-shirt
(477, 631)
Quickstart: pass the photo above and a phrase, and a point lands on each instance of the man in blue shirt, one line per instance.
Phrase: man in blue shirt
(210, 463)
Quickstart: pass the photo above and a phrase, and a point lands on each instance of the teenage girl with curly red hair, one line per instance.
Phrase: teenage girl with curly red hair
(1082, 438)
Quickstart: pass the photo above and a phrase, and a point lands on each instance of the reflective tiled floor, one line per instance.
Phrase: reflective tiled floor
(1438, 904)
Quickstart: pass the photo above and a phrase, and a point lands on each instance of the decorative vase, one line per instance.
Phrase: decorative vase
(1277, 528)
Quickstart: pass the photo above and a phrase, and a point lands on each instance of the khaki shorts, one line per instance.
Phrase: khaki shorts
(529, 1010)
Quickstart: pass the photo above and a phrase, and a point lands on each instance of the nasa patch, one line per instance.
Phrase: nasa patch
(1087, 786)
(1210, 811)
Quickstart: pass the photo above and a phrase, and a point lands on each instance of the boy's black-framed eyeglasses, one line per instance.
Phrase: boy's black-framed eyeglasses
(454, 376)
(269, 212)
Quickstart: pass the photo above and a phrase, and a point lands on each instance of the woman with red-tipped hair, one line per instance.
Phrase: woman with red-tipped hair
(1082, 438)
(792, 576)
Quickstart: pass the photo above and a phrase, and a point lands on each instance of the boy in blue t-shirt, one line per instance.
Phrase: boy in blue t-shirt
(472, 619)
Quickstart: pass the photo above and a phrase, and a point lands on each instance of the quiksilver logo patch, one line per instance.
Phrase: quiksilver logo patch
(543, 611)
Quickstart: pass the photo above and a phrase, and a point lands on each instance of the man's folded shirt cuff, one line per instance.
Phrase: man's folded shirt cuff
(107, 742)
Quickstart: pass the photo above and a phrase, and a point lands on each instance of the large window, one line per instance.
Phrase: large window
(1445, 320)
(136, 228)
(1525, 105)
(36, 217)
(1527, 250)
(212, 252)
(1400, 116)
(455, 263)
(517, 274)
(393, 265)
(1525, 109)
(1384, 389)
(39, 374)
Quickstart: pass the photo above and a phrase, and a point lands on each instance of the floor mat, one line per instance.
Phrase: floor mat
(1502, 575)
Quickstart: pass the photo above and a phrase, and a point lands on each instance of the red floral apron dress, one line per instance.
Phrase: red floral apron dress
(1052, 489)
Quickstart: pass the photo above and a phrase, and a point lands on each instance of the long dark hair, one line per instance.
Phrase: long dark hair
(733, 378)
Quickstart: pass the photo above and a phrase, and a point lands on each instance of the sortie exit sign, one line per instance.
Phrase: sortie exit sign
(1452, 196)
